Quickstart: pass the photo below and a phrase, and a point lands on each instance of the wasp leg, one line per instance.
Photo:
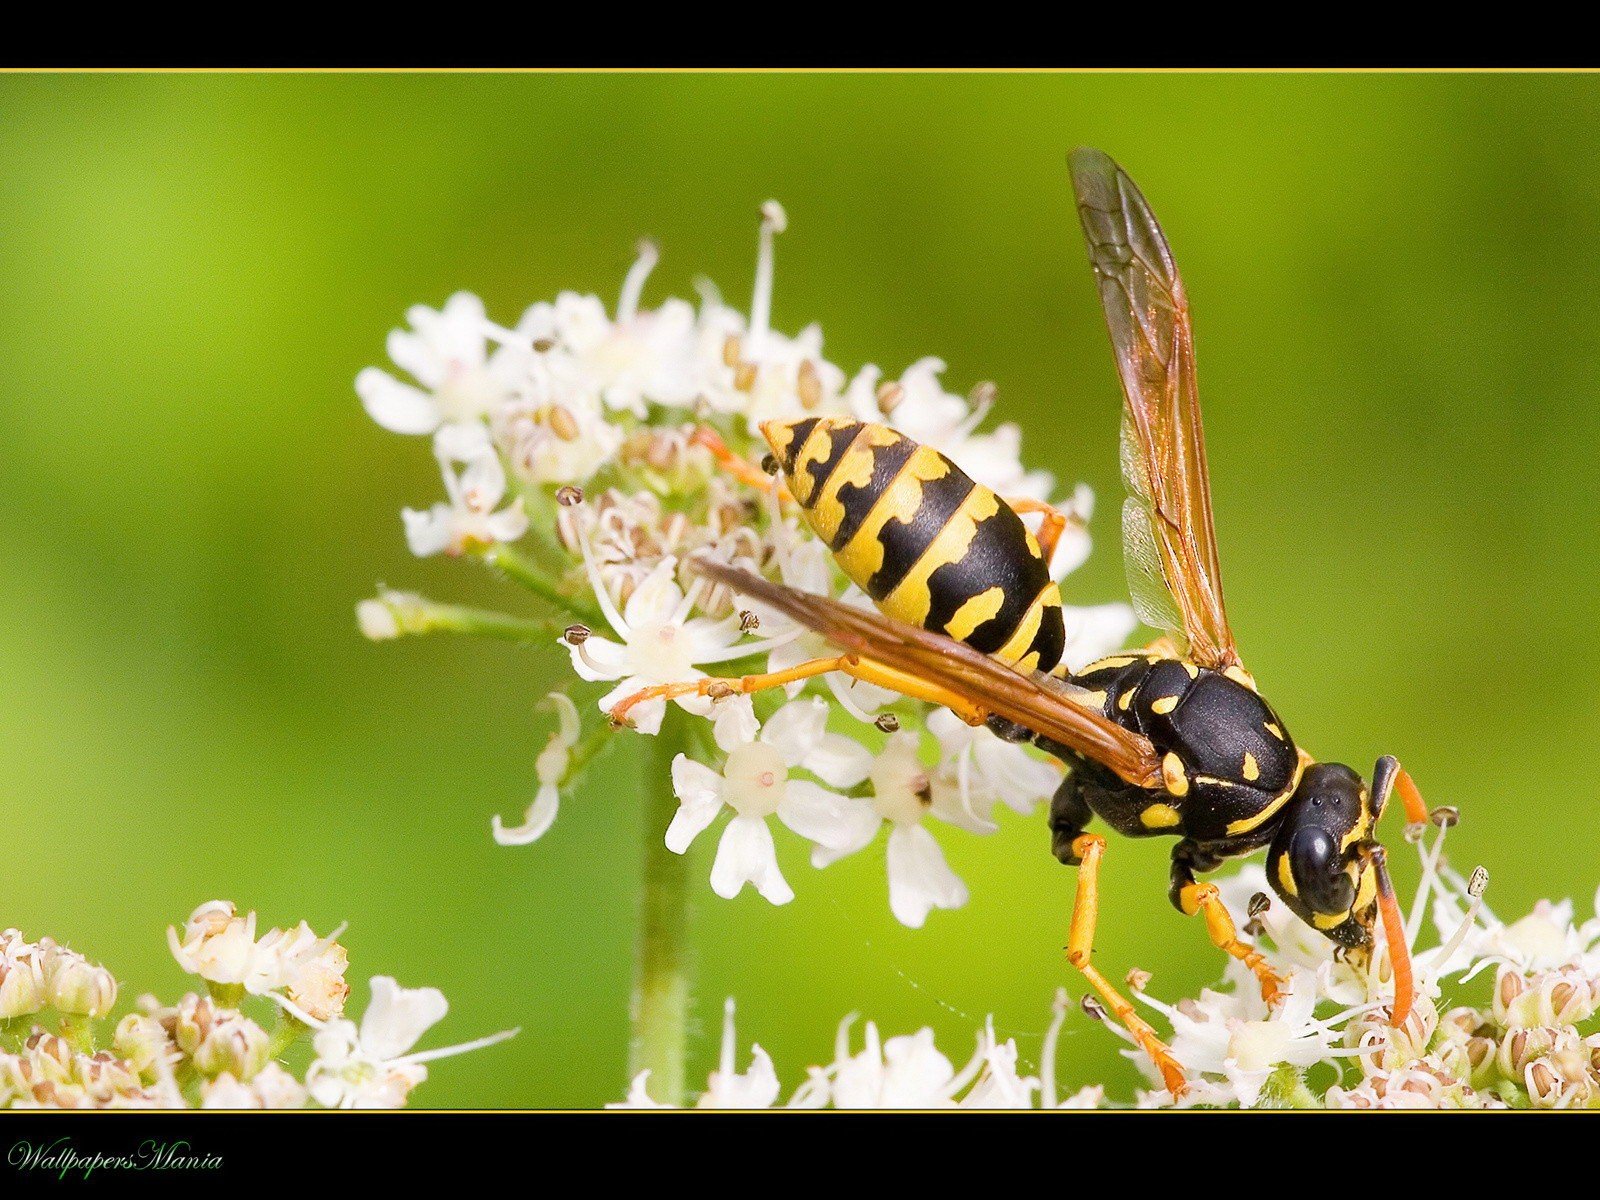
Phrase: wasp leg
(1190, 898)
(1055, 523)
(1069, 814)
(741, 469)
(1087, 849)
(849, 664)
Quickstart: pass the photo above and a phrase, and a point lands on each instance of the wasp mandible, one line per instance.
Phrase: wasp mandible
(1172, 740)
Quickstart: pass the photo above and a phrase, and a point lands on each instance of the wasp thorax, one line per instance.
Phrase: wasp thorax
(754, 780)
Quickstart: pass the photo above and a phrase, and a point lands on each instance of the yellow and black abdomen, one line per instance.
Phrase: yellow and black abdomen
(929, 545)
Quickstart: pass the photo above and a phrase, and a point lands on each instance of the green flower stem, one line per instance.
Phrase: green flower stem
(434, 617)
(285, 1033)
(78, 1032)
(660, 1008)
(515, 566)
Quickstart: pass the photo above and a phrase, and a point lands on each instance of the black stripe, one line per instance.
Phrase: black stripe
(998, 554)
(798, 433)
(857, 502)
(840, 438)
(904, 543)
(1051, 638)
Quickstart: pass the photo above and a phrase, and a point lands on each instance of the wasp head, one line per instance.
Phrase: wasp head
(1320, 862)
(1331, 872)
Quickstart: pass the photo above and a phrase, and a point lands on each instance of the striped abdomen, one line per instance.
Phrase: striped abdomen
(930, 546)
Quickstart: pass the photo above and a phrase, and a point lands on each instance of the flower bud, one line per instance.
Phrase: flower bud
(22, 986)
(1520, 1047)
(217, 944)
(377, 621)
(141, 1041)
(1508, 985)
(1481, 1061)
(1546, 1088)
(235, 1044)
(79, 988)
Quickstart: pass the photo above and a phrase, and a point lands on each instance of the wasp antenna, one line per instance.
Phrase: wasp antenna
(1389, 776)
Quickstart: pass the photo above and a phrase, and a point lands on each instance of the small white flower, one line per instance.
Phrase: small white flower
(978, 769)
(805, 565)
(904, 1072)
(270, 1087)
(755, 784)
(1000, 1086)
(727, 1088)
(1212, 1035)
(24, 989)
(550, 768)
(661, 643)
(217, 944)
(446, 352)
(468, 519)
(308, 969)
(919, 877)
(642, 358)
(369, 1066)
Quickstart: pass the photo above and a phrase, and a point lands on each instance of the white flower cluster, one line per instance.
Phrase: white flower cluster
(901, 1072)
(1534, 1043)
(629, 407)
(205, 1051)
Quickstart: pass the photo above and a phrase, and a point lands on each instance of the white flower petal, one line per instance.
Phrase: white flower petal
(396, 1017)
(656, 598)
(838, 761)
(600, 660)
(699, 792)
(540, 816)
(919, 877)
(823, 817)
(430, 532)
(733, 722)
(796, 729)
(398, 407)
(746, 855)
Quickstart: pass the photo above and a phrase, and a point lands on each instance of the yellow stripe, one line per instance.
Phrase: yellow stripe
(1028, 628)
(1159, 816)
(1246, 824)
(1286, 876)
(1106, 664)
(862, 556)
(974, 612)
(912, 598)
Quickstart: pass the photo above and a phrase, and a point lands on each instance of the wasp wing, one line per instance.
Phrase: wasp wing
(1169, 544)
(1032, 701)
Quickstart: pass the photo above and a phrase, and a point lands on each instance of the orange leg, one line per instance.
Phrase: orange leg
(742, 470)
(1088, 848)
(1394, 931)
(1055, 523)
(1204, 897)
(850, 664)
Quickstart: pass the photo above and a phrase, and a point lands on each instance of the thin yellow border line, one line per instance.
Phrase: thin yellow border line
(806, 70)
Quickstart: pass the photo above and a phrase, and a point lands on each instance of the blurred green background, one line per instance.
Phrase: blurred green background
(1394, 278)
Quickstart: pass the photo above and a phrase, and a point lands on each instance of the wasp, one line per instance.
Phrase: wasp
(1173, 740)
